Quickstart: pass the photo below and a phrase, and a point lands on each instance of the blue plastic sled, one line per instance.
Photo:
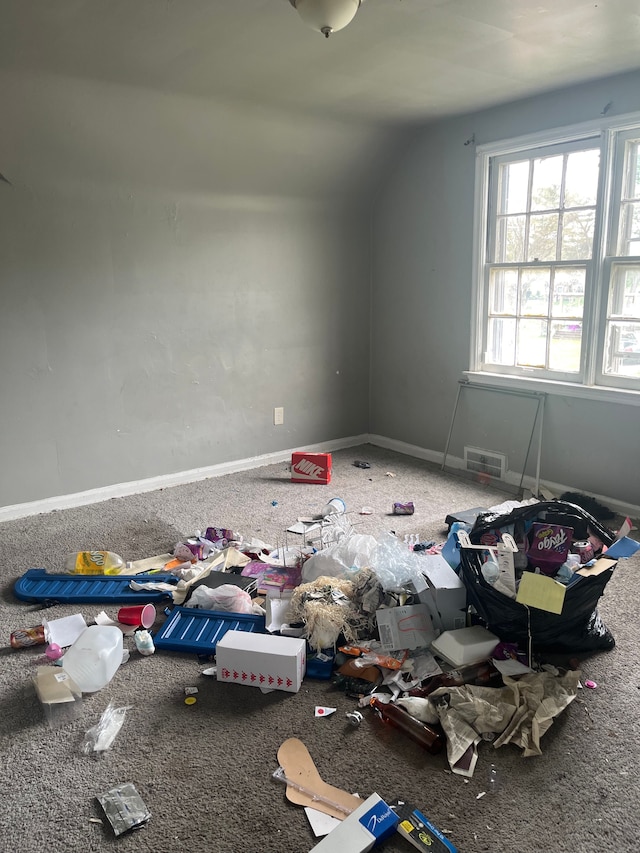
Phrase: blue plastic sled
(38, 585)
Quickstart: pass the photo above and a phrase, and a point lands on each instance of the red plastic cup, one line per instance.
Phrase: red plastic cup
(138, 614)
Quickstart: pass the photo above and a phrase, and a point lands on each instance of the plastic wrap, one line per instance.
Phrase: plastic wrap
(396, 566)
(227, 597)
(100, 737)
(342, 559)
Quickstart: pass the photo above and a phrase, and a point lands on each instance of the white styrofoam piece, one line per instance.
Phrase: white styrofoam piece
(465, 645)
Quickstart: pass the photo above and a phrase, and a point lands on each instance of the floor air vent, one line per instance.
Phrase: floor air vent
(486, 462)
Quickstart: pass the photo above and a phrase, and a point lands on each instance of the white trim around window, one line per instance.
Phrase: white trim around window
(576, 332)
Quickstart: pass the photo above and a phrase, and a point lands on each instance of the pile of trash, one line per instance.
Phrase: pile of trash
(448, 642)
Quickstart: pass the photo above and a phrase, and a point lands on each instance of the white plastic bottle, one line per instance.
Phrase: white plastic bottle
(94, 658)
(490, 570)
(336, 506)
(94, 563)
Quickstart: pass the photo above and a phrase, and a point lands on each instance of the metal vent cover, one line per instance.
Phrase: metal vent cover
(487, 462)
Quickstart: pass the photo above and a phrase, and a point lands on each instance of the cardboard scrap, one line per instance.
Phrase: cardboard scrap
(366, 673)
(600, 565)
(294, 758)
(149, 564)
(366, 826)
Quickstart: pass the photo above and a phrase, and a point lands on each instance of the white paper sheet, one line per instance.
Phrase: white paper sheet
(408, 627)
(511, 667)
(321, 824)
(103, 619)
(65, 631)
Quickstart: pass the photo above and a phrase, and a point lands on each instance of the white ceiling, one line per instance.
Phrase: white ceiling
(398, 61)
(239, 97)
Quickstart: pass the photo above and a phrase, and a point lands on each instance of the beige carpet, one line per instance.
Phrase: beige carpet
(204, 771)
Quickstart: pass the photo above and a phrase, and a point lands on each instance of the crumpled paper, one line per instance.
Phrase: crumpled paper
(519, 713)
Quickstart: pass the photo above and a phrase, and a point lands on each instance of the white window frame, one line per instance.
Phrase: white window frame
(591, 383)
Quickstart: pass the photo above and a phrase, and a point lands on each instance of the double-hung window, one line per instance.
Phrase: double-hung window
(558, 260)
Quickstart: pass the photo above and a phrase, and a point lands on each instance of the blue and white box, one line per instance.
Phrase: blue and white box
(369, 824)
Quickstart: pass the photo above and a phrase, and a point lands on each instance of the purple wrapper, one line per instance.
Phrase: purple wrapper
(403, 508)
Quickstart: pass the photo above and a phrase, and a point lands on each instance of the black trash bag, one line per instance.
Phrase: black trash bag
(579, 627)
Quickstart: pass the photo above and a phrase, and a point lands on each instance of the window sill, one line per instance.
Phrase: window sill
(620, 396)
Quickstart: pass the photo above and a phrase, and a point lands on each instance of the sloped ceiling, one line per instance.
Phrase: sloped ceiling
(240, 96)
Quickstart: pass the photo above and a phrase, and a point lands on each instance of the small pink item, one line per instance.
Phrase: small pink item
(53, 651)
(590, 684)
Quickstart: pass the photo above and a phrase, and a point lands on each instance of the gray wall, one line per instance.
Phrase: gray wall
(140, 337)
(422, 262)
(155, 308)
(172, 268)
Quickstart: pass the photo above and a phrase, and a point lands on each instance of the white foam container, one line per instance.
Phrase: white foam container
(465, 645)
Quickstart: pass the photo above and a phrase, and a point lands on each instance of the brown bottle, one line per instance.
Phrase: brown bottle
(479, 673)
(421, 733)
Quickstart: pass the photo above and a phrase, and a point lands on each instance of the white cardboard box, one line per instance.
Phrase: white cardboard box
(261, 660)
(445, 591)
(369, 824)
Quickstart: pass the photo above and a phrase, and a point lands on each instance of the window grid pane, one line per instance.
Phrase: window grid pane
(544, 215)
(545, 208)
(532, 346)
(514, 188)
(628, 241)
(549, 280)
(622, 353)
(535, 317)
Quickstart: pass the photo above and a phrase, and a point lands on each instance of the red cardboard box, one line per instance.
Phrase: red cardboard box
(311, 468)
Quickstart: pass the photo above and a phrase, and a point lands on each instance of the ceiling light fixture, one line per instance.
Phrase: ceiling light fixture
(327, 16)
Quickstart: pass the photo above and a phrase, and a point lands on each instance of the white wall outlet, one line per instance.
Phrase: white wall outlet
(278, 416)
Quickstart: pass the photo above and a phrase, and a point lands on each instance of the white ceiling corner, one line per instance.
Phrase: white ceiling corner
(250, 74)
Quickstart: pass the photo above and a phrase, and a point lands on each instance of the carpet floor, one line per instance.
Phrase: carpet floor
(204, 771)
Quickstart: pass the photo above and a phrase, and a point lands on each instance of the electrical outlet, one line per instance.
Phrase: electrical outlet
(278, 416)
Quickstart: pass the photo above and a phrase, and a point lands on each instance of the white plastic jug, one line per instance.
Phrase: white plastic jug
(95, 656)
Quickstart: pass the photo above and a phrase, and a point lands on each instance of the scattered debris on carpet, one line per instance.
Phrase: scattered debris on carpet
(445, 642)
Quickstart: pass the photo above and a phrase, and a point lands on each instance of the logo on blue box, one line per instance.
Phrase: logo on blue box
(380, 820)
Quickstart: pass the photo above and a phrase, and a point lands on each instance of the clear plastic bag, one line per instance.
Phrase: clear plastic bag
(228, 598)
(396, 566)
(341, 559)
(101, 736)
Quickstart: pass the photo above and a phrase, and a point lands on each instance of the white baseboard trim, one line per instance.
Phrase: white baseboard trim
(512, 478)
(407, 449)
(164, 481)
